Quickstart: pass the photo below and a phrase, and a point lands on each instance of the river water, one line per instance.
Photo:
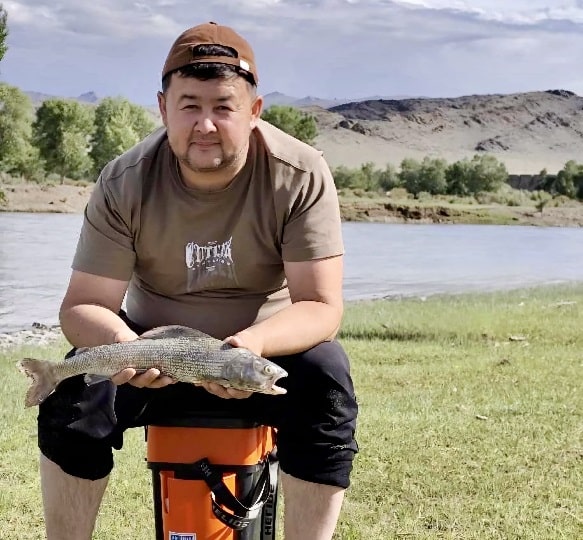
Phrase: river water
(382, 260)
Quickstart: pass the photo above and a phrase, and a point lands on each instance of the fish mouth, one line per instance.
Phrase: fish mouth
(278, 390)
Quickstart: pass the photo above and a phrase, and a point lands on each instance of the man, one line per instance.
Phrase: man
(223, 223)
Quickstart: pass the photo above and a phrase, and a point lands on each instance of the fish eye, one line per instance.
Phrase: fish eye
(268, 370)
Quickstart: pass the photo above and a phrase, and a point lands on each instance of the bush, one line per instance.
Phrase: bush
(424, 196)
(398, 194)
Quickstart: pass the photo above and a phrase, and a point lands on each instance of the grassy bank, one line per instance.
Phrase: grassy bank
(508, 207)
(471, 425)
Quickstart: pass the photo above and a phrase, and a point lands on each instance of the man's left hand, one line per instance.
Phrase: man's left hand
(242, 339)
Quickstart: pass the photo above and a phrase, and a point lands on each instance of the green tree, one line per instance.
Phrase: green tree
(119, 125)
(432, 175)
(488, 174)
(458, 177)
(17, 155)
(300, 125)
(343, 177)
(142, 122)
(388, 178)
(568, 182)
(61, 133)
(482, 173)
(366, 177)
(3, 31)
(410, 175)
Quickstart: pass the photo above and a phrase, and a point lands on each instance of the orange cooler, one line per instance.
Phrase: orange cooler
(213, 478)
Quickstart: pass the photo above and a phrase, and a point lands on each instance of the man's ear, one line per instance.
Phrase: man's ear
(162, 107)
(256, 110)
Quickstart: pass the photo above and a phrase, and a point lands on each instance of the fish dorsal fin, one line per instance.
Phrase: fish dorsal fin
(172, 332)
(81, 350)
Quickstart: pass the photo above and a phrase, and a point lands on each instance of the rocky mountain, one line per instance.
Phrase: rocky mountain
(527, 131)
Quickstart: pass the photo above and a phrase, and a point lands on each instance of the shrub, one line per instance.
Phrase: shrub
(398, 193)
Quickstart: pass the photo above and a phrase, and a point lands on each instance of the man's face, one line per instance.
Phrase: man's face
(209, 122)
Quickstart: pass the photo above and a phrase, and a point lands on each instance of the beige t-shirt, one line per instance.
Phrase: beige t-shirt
(209, 260)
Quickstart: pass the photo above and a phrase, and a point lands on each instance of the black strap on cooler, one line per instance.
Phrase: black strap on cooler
(226, 507)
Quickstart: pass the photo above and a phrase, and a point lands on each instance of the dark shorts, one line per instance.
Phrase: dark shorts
(315, 420)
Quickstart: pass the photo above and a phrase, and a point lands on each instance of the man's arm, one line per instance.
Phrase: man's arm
(89, 317)
(315, 314)
(89, 311)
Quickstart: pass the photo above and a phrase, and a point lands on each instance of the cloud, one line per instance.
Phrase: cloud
(329, 48)
(513, 12)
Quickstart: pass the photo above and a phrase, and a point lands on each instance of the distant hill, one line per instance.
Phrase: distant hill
(526, 131)
(277, 98)
(38, 97)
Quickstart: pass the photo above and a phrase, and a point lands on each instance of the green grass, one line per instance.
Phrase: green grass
(470, 427)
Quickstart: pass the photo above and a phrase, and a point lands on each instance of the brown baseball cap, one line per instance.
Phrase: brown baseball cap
(181, 52)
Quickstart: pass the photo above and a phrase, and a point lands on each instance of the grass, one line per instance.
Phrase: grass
(470, 427)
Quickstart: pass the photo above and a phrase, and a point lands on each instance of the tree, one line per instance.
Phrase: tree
(388, 178)
(61, 133)
(17, 155)
(458, 177)
(568, 182)
(293, 121)
(410, 175)
(366, 177)
(482, 173)
(432, 175)
(119, 125)
(427, 175)
(3, 31)
(488, 174)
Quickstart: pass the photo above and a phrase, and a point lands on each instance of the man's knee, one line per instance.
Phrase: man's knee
(60, 439)
(89, 460)
(316, 442)
(327, 359)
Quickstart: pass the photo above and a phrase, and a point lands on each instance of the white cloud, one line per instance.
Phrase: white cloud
(509, 11)
(329, 48)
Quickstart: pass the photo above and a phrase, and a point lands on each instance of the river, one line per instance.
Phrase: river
(382, 260)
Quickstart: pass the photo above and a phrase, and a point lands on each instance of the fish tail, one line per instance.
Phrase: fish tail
(44, 380)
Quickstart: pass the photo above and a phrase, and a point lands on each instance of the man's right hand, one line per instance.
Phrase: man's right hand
(147, 379)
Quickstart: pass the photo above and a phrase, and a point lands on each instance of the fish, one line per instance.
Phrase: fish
(182, 353)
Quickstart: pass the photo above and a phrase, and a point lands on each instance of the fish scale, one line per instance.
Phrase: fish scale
(184, 354)
(182, 359)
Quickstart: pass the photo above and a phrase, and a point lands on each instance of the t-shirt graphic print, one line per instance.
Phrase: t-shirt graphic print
(210, 266)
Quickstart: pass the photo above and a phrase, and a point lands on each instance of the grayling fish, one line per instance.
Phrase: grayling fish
(182, 353)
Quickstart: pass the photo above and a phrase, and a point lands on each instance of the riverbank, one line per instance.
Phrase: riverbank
(72, 198)
(38, 335)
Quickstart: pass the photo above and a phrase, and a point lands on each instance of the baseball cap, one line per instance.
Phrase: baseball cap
(211, 33)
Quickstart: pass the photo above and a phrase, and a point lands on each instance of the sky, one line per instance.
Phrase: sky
(323, 48)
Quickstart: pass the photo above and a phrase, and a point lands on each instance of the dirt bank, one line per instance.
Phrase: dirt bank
(30, 197)
(408, 211)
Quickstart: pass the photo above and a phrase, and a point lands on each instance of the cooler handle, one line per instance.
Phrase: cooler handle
(238, 516)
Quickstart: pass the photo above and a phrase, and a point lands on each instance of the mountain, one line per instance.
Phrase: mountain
(527, 131)
(38, 97)
(277, 98)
